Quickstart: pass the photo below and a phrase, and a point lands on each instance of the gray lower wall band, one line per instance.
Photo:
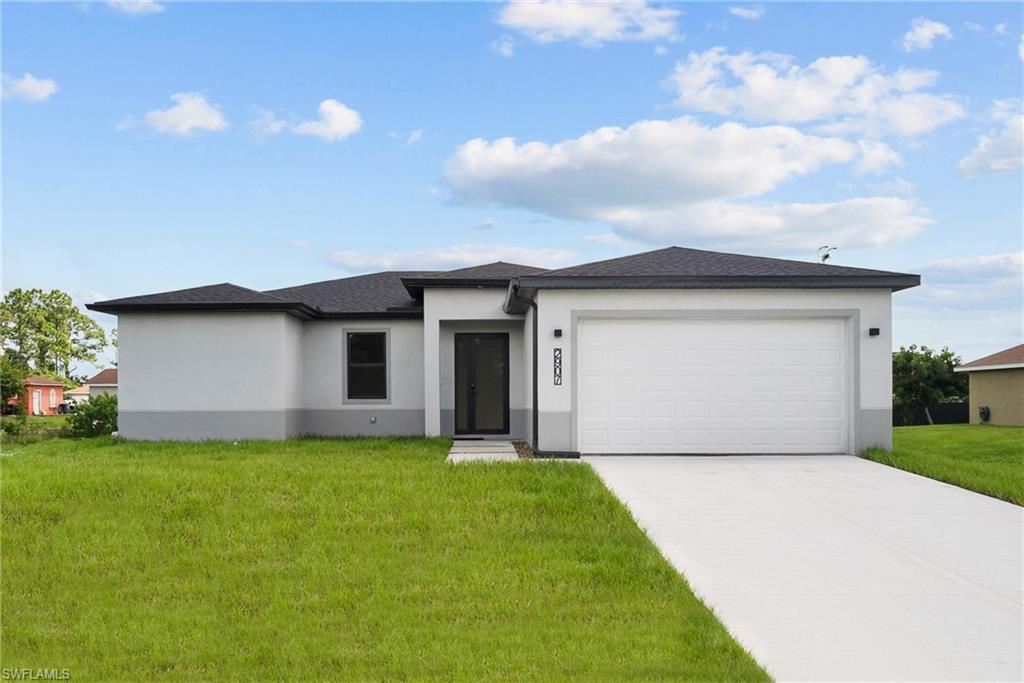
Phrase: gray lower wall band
(874, 429)
(357, 422)
(554, 431)
(187, 425)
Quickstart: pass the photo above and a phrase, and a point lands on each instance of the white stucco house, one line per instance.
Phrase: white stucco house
(669, 351)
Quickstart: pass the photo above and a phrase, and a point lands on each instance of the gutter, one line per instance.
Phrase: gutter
(512, 297)
(894, 282)
(983, 368)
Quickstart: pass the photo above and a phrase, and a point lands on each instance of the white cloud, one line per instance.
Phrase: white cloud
(136, 7)
(1020, 48)
(851, 223)
(409, 139)
(589, 23)
(266, 123)
(876, 157)
(505, 46)
(660, 50)
(486, 224)
(28, 88)
(922, 34)
(998, 151)
(748, 13)
(843, 94)
(973, 302)
(663, 181)
(1000, 29)
(336, 122)
(299, 244)
(650, 161)
(894, 186)
(608, 238)
(986, 268)
(974, 26)
(446, 258)
(190, 112)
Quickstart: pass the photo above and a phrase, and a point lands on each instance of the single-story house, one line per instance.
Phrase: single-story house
(997, 387)
(77, 395)
(42, 395)
(103, 383)
(669, 351)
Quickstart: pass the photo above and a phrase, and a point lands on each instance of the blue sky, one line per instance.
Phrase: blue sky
(153, 146)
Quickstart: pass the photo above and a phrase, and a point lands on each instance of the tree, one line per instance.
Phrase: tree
(12, 379)
(47, 333)
(923, 377)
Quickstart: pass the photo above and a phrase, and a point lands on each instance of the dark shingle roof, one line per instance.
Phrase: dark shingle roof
(499, 270)
(1011, 356)
(680, 262)
(224, 296)
(398, 293)
(373, 293)
(224, 293)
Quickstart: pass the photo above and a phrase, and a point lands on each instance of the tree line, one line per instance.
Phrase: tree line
(45, 333)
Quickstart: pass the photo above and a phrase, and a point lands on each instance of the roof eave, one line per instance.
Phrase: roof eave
(894, 282)
(982, 368)
(298, 310)
(413, 285)
(410, 314)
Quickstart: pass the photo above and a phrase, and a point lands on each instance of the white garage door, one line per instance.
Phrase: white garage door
(712, 386)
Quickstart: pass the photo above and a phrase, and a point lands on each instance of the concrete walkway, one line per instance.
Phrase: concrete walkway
(482, 451)
(836, 568)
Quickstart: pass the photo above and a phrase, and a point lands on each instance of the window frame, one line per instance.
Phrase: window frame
(53, 398)
(346, 331)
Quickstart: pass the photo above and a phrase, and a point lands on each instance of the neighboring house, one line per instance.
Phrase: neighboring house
(42, 395)
(670, 351)
(103, 383)
(997, 387)
(77, 395)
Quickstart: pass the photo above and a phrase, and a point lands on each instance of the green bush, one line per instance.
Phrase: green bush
(95, 417)
(13, 425)
(22, 430)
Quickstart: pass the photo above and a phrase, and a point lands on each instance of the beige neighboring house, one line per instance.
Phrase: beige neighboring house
(103, 383)
(997, 383)
(77, 395)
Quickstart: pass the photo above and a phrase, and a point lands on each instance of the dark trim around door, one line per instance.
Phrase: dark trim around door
(471, 372)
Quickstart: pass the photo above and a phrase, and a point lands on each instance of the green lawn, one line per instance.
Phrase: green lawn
(357, 559)
(982, 458)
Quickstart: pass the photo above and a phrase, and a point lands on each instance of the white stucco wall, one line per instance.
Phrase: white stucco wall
(448, 304)
(873, 377)
(323, 367)
(206, 361)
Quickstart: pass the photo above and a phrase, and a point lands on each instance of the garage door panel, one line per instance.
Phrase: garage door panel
(706, 386)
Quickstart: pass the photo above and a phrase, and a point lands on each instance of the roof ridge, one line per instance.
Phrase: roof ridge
(399, 273)
(568, 270)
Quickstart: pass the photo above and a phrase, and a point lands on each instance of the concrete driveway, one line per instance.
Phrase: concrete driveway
(837, 568)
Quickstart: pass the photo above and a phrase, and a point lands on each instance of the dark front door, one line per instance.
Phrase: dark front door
(481, 383)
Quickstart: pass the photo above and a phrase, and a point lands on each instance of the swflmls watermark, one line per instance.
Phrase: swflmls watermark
(26, 674)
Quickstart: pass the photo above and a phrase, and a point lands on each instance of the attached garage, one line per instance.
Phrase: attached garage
(713, 385)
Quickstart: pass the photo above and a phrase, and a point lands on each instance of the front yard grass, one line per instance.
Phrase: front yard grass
(354, 559)
(982, 458)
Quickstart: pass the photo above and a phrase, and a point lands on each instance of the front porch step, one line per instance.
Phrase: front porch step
(482, 451)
